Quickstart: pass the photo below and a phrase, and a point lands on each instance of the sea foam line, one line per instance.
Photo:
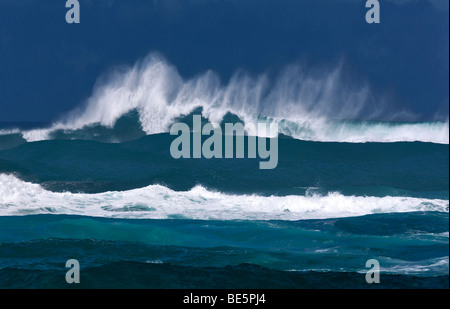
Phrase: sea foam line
(158, 202)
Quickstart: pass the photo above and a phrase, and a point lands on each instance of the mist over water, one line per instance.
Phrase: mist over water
(317, 105)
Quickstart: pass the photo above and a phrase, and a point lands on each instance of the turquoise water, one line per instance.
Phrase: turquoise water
(135, 217)
(411, 249)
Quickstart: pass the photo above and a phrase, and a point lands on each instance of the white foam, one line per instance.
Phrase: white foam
(9, 131)
(37, 134)
(32, 135)
(386, 132)
(158, 202)
(436, 265)
(306, 100)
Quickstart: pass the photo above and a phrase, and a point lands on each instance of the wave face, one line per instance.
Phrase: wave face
(307, 105)
(375, 169)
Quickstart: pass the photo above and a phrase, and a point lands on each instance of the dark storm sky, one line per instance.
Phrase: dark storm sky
(47, 66)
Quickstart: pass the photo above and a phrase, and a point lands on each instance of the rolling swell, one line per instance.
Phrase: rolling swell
(414, 169)
(411, 247)
(133, 275)
(101, 186)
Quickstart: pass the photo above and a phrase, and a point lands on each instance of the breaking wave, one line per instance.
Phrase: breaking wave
(307, 105)
(158, 202)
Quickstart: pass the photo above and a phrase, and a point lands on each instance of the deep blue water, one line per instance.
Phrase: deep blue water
(363, 147)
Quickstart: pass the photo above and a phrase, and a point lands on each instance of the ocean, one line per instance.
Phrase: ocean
(101, 187)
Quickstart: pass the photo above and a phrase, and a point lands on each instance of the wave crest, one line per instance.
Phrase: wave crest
(308, 105)
(158, 202)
